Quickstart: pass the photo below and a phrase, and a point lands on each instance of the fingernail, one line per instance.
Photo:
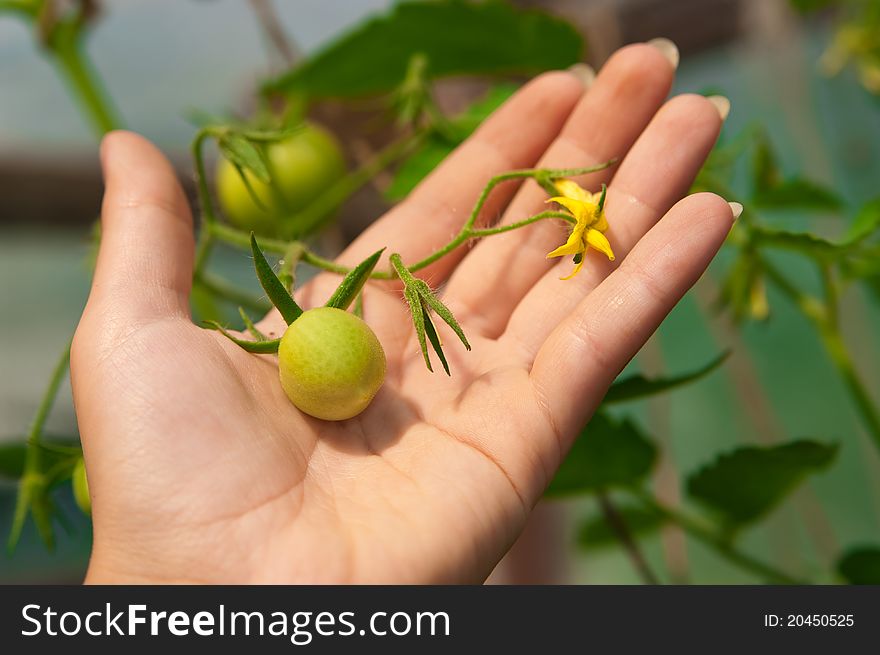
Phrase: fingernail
(736, 208)
(584, 72)
(668, 49)
(722, 104)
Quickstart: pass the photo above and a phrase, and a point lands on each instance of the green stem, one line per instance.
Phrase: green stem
(621, 530)
(241, 239)
(843, 362)
(82, 80)
(31, 478)
(718, 542)
(823, 316)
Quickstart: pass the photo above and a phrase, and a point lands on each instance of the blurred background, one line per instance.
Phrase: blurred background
(162, 59)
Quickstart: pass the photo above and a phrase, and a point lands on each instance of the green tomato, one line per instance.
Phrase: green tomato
(81, 487)
(302, 166)
(331, 364)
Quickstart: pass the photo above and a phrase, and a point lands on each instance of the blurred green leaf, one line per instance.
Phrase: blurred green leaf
(245, 155)
(55, 450)
(745, 484)
(766, 173)
(807, 6)
(595, 533)
(634, 387)
(861, 565)
(803, 242)
(743, 290)
(608, 453)
(797, 193)
(456, 38)
(12, 454)
(437, 147)
(866, 223)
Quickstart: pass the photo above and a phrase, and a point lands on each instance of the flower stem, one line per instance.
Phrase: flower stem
(718, 542)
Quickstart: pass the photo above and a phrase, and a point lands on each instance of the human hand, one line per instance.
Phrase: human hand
(200, 468)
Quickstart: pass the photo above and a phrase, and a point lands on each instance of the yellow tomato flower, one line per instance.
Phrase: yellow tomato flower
(588, 210)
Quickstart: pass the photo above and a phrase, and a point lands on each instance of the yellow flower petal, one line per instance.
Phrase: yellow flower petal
(573, 246)
(573, 190)
(581, 211)
(577, 269)
(597, 240)
(600, 223)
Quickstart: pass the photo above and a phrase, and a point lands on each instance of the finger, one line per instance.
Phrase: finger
(656, 173)
(144, 267)
(514, 136)
(627, 92)
(583, 355)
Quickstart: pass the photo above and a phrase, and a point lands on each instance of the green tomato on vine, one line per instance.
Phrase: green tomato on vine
(302, 167)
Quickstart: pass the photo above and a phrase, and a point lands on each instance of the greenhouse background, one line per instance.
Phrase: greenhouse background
(162, 60)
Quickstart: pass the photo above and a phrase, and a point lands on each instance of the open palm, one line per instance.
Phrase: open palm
(202, 470)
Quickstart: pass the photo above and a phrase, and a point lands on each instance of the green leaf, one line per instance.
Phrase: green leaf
(861, 565)
(260, 347)
(431, 333)
(802, 242)
(418, 318)
(608, 453)
(244, 155)
(745, 484)
(456, 38)
(797, 193)
(595, 533)
(421, 300)
(54, 450)
(273, 287)
(437, 147)
(441, 310)
(352, 283)
(249, 325)
(638, 386)
(866, 223)
(766, 173)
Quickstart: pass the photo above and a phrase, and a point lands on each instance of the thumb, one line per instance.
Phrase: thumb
(144, 267)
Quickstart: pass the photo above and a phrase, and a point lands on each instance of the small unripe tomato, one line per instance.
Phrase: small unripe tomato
(331, 364)
(303, 166)
(81, 487)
